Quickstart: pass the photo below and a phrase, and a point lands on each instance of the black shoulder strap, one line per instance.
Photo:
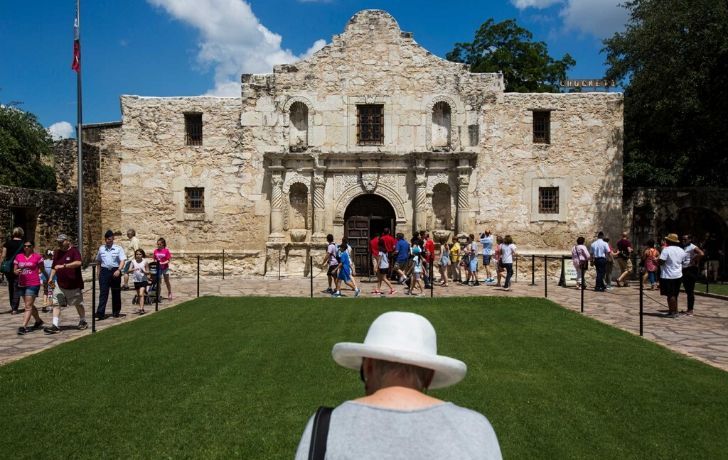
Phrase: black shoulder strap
(319, 433)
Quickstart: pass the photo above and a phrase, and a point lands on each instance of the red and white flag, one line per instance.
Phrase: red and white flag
(76, 64)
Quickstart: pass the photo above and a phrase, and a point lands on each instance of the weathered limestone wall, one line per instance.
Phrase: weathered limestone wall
(47, 213)
(156, 165)
(372, 62)
(584, 159)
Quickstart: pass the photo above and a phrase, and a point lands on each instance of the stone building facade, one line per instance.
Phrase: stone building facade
(372, 131)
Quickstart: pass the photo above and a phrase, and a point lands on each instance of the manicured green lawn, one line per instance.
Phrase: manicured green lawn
(721, 289)
(224, 377)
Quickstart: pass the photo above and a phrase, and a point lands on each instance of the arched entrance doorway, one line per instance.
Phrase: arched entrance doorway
(366, 216)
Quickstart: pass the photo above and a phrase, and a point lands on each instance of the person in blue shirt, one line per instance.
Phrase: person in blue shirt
(599, 250)
(110, 258)
(344, 272)
(401, 259)
(486, 240)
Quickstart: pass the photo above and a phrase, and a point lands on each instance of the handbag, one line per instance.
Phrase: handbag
(7, 265)
(319, 433)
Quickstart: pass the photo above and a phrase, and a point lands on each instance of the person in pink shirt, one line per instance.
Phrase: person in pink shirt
(163, 256)
(27, 267)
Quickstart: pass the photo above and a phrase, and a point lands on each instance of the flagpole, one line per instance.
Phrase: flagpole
(79, 124)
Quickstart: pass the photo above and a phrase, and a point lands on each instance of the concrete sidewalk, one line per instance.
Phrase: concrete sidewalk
(703, 336)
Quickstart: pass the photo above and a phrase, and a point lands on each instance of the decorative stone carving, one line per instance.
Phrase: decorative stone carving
(369, 180)
(298, 235)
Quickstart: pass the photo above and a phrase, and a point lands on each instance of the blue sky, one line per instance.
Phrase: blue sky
(194, 47)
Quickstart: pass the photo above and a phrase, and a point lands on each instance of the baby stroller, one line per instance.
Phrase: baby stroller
(151, 290)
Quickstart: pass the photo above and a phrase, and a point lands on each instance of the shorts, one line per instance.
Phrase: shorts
(625, 265)
(670, 287)
(418, 276)
(332, 270)
(473, 264)
(65, 297)
(486, 259)
(140, 284)
(28, 291)
(403, 265)
(164, 271)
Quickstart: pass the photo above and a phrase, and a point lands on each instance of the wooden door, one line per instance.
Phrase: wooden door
(357, 231)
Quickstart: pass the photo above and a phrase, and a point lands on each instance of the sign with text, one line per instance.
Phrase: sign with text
(588, 83)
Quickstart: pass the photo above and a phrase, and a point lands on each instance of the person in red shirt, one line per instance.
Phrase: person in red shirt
(67, 269)
(374, 251)
(27, 266)
(389, 245)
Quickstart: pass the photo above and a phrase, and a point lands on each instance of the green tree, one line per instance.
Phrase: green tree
(24, 144)
(672, 60)
(506, 47)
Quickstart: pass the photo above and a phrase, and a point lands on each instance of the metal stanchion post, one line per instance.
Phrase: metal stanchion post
(533, 269)
(157, 275)
(515, 260)
(562, 278)
(223, 264)
(198, 276)
(583, 287)
(642, 293)
(93, 298)
(432, 281)
(279, 264)
(310, 273)
(545, 277)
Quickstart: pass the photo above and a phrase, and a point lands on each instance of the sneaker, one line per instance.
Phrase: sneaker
(82, 325)
(336, 294)
(53, 329)
(477, 283)
(24, 330)
(357, 291)
(329, 291)
(38, 325)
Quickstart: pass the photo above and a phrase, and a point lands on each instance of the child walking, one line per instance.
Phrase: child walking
(139, 272)
(163, 256)
(344, 272)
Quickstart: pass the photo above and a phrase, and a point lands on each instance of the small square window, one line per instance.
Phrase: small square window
(548, 200)
(194, 199)
(541, 127)
(370, 124)
(193, 128)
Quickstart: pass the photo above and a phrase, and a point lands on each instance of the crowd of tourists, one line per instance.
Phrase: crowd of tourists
(58, 274)
(411, 263)
(669, 266)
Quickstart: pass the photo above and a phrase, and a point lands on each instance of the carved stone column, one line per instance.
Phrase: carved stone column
(276, 207)
(319, 206)
(420, 217)
(463, 211)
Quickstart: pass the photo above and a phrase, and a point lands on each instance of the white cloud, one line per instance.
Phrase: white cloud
(523, 4)
(600, 18)
(232, 40)
(60, 130)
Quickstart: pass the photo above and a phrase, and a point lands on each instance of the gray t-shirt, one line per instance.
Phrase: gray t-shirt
(444, 431)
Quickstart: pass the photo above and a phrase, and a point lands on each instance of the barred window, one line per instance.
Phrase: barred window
(194, 199)
(370, 124)
(541, 127)
(548, 200)
(193, 128)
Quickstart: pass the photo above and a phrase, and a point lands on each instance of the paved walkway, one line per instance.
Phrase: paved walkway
(703, 336)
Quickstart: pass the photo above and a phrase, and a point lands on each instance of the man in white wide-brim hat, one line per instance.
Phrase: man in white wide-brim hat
(398, 362)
